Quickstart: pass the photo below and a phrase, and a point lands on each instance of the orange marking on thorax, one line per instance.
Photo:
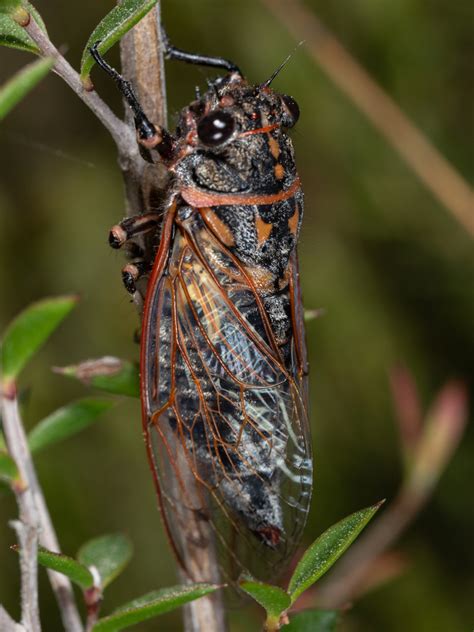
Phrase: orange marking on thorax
(293, 221)
(263, 230)
(274, 146)
(218, 227)
(279, 171)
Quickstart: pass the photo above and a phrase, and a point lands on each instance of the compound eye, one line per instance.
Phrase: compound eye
(291, 111)
(215, 128)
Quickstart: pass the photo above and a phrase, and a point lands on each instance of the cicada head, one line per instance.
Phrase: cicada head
(233, 139)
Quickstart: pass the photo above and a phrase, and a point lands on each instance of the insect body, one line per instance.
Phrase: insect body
(223, 362)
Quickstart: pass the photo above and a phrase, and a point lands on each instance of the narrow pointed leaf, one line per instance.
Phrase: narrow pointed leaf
(313, 621)
(29, 331)
(76, 571)
(272, 598)
(322, 554)
(152, 605)
(110, 554)
(114, 26)
(13, 35)
(109, 374)
(8, 469)
(66, 422)
(23, 82)
(9, 6)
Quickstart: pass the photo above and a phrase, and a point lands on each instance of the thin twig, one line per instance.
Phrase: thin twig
(121, 133)
(436, 173)
(27, 527)
(7, 624)
(27, 535)
(143, 65)
(93, 598)
(34, 513)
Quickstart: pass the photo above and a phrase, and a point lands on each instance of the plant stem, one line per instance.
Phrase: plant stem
(34, 517)
(7, 624)
(145, 183)
(27, 534)
(431, 167)
(143, 65)
(27, 527)
(121, 133)
(93, 598)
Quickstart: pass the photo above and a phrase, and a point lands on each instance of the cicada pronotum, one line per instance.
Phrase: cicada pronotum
(223, 360)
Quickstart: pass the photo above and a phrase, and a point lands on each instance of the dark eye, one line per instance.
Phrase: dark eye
(215, 128)
(291, 111)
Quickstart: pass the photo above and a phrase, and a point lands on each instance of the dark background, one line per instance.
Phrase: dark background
(393, 270)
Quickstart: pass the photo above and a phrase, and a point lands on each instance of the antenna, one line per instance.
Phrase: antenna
(281, 66)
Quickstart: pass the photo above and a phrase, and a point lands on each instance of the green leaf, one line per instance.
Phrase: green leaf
(77, 572)
(114, 26)
(313, 621)
(9, 6)
(27, 333)
(110, 554)
(150, 605)
(8, 469)
(20, 84)
(272, 598)
(109, 374)
(66, 422)
(13, 35)
(322, 554)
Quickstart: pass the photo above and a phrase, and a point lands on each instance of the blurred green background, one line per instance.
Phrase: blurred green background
(392, 269)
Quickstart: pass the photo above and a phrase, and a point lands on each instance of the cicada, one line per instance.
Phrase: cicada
(223, 359)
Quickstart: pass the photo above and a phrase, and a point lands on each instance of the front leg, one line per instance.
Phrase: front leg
(149, 136)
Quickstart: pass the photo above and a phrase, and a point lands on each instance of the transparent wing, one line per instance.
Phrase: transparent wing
(226, 422)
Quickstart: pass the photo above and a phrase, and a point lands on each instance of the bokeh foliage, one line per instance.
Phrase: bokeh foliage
(392, 270)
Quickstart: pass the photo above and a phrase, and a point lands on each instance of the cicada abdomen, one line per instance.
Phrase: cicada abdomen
(223, 361)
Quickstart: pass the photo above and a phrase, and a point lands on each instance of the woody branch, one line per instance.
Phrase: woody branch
(145, 186)
(35, 525)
